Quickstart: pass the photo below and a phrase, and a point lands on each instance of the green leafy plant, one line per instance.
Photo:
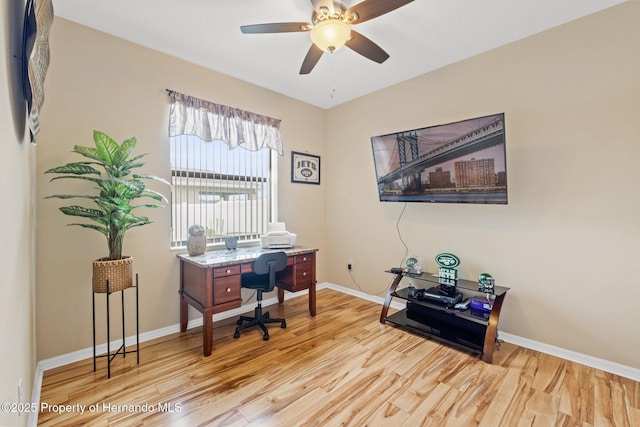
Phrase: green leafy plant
(117, 187)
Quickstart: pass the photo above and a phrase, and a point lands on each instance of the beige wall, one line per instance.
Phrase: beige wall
(567, 242)
(100, 82)
(17, 280)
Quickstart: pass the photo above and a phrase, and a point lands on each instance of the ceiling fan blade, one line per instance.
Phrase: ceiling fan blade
(277, 27)
(366, 48)
(312, 58)
(370, 9)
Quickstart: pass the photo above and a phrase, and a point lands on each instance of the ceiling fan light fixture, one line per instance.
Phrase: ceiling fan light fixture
(330, 35)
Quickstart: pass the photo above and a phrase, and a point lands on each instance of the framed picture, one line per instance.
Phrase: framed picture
(305, 168)
(459, 162)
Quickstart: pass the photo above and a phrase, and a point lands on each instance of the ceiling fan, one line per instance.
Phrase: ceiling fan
(331, 29)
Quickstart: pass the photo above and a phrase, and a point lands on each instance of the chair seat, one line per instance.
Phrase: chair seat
(256, 281)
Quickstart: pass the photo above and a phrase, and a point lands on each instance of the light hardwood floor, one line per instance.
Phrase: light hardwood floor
(340, 368)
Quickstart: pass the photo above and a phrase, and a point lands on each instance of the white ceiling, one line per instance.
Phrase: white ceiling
(420, 37)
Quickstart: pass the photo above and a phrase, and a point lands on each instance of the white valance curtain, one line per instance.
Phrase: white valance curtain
(209, 121)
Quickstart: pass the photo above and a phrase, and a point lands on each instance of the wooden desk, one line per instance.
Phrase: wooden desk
(211, 282)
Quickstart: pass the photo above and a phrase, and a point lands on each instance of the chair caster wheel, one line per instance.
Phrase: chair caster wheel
(236, 335)
(283, 325)
(265, 337)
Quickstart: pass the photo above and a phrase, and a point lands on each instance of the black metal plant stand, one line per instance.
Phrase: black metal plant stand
(122, 349)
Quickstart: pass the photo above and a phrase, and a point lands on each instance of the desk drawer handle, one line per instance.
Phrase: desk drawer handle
(304, 258)
(228, 290)
(304, 273)
(228, 271)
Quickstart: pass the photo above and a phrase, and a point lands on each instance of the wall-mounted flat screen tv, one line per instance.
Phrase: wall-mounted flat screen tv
(460, 162)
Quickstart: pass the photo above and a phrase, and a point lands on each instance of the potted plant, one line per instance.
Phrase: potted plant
(117, 187)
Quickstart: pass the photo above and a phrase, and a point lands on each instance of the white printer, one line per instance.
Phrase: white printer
(277, 237)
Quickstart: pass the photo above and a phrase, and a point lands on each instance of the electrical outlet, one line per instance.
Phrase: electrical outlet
(349, 264)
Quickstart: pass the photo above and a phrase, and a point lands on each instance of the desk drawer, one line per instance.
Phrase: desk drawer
(226, 271)
(296, 277)
(303, 258)
(226, 289)
(304, 275)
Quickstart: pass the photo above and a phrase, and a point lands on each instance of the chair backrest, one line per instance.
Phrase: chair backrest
(270, 263)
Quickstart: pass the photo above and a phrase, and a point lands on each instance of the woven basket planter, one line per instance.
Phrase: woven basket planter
(118, 272)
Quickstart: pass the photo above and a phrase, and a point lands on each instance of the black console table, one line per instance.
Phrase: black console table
(456, 327)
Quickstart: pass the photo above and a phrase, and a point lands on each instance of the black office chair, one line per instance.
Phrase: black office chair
(263, 279)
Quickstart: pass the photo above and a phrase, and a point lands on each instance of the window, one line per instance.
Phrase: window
(223, 170)
(227, 191)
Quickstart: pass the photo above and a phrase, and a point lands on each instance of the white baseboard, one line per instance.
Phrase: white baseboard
(32, 421)
(65, 359)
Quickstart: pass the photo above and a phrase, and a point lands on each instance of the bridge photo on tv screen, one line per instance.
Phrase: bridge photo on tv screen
(461, 162)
